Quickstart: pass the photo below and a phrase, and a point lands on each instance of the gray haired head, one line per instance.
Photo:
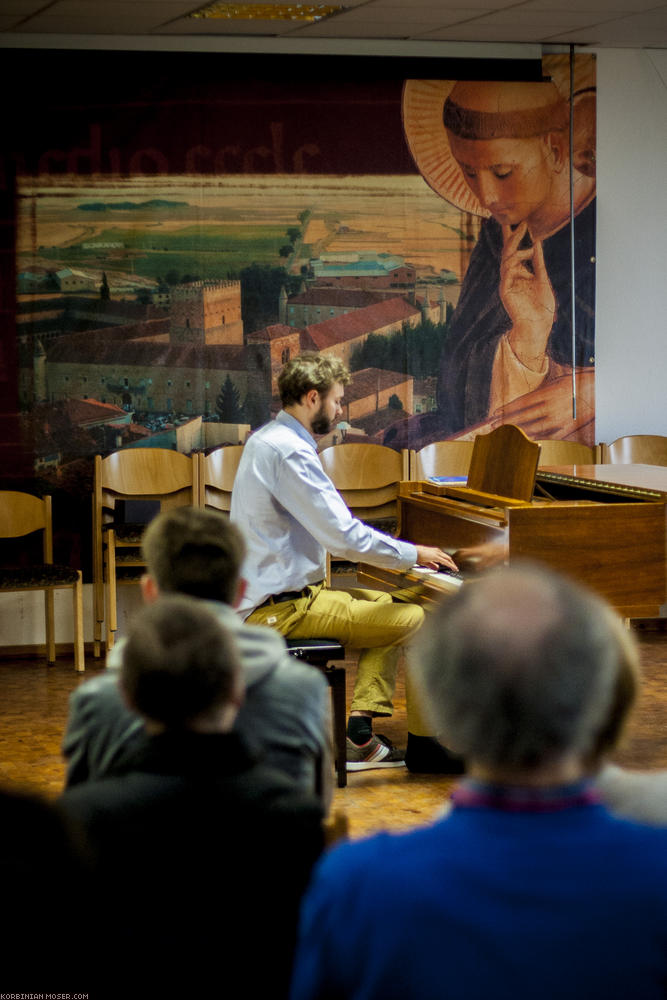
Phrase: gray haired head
(523, 668)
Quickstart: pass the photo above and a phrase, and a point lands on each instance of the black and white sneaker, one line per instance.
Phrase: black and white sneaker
(378, 752)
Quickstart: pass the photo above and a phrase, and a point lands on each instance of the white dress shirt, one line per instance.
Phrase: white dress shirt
(291, 515)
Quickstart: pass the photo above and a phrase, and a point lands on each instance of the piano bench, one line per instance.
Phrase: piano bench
(318, 653)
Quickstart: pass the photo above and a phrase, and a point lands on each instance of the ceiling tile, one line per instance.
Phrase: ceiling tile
(475, 32)
(213, 26)
(541, 19)
(144, 8)
(8, 22)
(376, 6)
(371, 28)
(10, 7)
(600, 7)
(609, 36)
(418, 16)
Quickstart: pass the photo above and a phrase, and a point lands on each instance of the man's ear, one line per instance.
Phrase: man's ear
(240, 592)
(149, 589)
(312, 398)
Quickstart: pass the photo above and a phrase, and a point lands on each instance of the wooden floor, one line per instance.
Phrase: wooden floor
(33, 711)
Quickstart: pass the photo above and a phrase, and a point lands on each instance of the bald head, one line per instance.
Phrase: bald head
(523, 669)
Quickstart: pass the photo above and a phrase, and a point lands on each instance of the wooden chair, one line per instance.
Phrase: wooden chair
(567, 453)
(216, 476)
(156, 474)
(22, 514)
(504, 463)
(441, 458)
(367, 476)
(643, 449)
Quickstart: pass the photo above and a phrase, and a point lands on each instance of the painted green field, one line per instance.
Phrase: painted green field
(214, 251)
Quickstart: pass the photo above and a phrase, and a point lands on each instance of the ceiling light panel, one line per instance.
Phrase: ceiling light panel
(302, 12)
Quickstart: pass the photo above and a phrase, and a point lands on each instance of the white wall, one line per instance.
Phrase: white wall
(22, 616)
(631, 310)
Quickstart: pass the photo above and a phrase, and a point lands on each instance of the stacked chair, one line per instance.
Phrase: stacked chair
(167, 478)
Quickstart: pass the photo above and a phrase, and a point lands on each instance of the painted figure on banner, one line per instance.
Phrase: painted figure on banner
(501, 151)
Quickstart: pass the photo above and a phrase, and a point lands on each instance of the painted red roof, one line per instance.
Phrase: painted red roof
(105, 344)
(369, 380)
(91, 411)
(106, 348)
(361, 321)
(273, 332)
(355, 298)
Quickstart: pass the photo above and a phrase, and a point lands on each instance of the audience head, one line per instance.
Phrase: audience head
(180, 666)
(196, 552)
(525, 671)
(307, 371)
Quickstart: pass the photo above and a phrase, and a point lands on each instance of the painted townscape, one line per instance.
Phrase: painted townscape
(158, 311)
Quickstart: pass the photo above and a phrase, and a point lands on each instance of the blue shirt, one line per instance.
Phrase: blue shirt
(550, 898)
(291, 515)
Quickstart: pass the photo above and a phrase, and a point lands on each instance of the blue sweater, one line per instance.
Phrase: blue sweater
(495, 901)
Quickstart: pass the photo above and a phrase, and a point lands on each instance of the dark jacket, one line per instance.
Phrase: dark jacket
(198, 851)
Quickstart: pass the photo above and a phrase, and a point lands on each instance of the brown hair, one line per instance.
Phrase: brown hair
(195, 552)
(310, 371)
(178, 662)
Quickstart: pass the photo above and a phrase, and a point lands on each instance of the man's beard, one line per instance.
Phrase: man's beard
(320, 424)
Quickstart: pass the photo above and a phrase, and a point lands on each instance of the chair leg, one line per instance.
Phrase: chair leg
(336, 678)
(98, 588)
(77, 619)
(111, 604)
(49, 619)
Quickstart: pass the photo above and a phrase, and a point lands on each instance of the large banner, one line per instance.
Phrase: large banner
(182, 225)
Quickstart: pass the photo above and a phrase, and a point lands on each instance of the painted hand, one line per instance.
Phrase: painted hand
(528, 298)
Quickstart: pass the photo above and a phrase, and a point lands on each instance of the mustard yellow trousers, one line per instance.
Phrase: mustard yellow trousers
(377, 623)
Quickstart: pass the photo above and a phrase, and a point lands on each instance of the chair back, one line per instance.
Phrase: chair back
(367, 476)
(441, 458)
(216, 476)
(23, 513)
(157, 474)
(644, 449)
(141, 474)
(147, 474)
(567, 453)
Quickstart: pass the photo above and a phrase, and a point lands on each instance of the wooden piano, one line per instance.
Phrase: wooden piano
(604, 525)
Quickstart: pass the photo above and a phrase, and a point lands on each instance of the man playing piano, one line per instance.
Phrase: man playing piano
(291, 515)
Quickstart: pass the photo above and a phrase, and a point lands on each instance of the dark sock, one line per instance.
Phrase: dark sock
(360, 729)
(424, 755)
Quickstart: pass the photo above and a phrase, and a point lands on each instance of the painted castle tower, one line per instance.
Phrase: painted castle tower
(206, 312)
